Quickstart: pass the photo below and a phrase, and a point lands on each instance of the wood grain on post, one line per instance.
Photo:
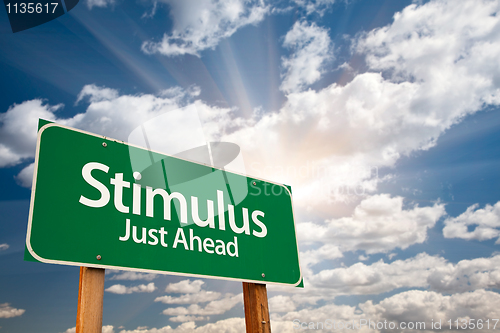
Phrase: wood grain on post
(90, 297)
(256, 308)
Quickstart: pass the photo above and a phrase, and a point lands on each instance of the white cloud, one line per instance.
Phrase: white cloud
(132, 276)
(447, 50)
(312, 257)
(99, 3)
(439, 42)
(193, 295)
(25, 177)
(315, 6)
(421, 271)
(186, 327)
(284, 323)
(230, 325)
(466, 275)
(281, 303)
(486, 221)
(198, 297)
(409, 306)
(105, 329)
(121, 289)
(6, 311)
(97, 94)
(183, 318)
(108, 114)
(202, 24)
(376, 278)
(311, 47)
(435, 64)
(428, 306)
(378, 224)
(185, 287)
(18, 130)
(391, 255)
(4, 246)
(213, 308)
(116, 116)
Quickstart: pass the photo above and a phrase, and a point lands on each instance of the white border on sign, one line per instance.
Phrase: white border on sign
(70, 263)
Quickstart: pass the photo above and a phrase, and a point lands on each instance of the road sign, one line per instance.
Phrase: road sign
(90, 207)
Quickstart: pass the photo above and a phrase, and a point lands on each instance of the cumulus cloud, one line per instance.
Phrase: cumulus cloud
(105, 329)
(6, 311)
(409, 306)
(4, 246)
(185, 286)
(200, 25)
(315, 6)
(25, 177)
(310, 258)
(231, 325)
(121, 289)
(281, 303)
(427, 70)
(117, 115)
(378, 224)
(198, 297)
(18, 130)
(96, 94)
(99, 3)
(486, 223)
(193, 294)
(378, 277)
(428, 306)
(212, 308)
(466, 275)
(311, 50)
(284, 323)
(183, 318)
(421, 271)
(186, 327)
(437, 42)
(132, 276)
(109, 114)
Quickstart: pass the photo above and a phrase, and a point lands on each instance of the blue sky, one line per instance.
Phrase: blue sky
(381, 115)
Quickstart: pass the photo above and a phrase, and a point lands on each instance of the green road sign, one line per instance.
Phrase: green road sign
(100, 202)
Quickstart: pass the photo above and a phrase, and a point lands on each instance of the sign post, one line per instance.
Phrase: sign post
(90, 300)
(101, 203)
(256, 308)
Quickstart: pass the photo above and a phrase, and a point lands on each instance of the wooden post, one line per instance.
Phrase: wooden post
(90, 296)
(256, 308)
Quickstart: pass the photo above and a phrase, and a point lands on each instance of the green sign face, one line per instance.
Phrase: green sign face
(100, 202)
